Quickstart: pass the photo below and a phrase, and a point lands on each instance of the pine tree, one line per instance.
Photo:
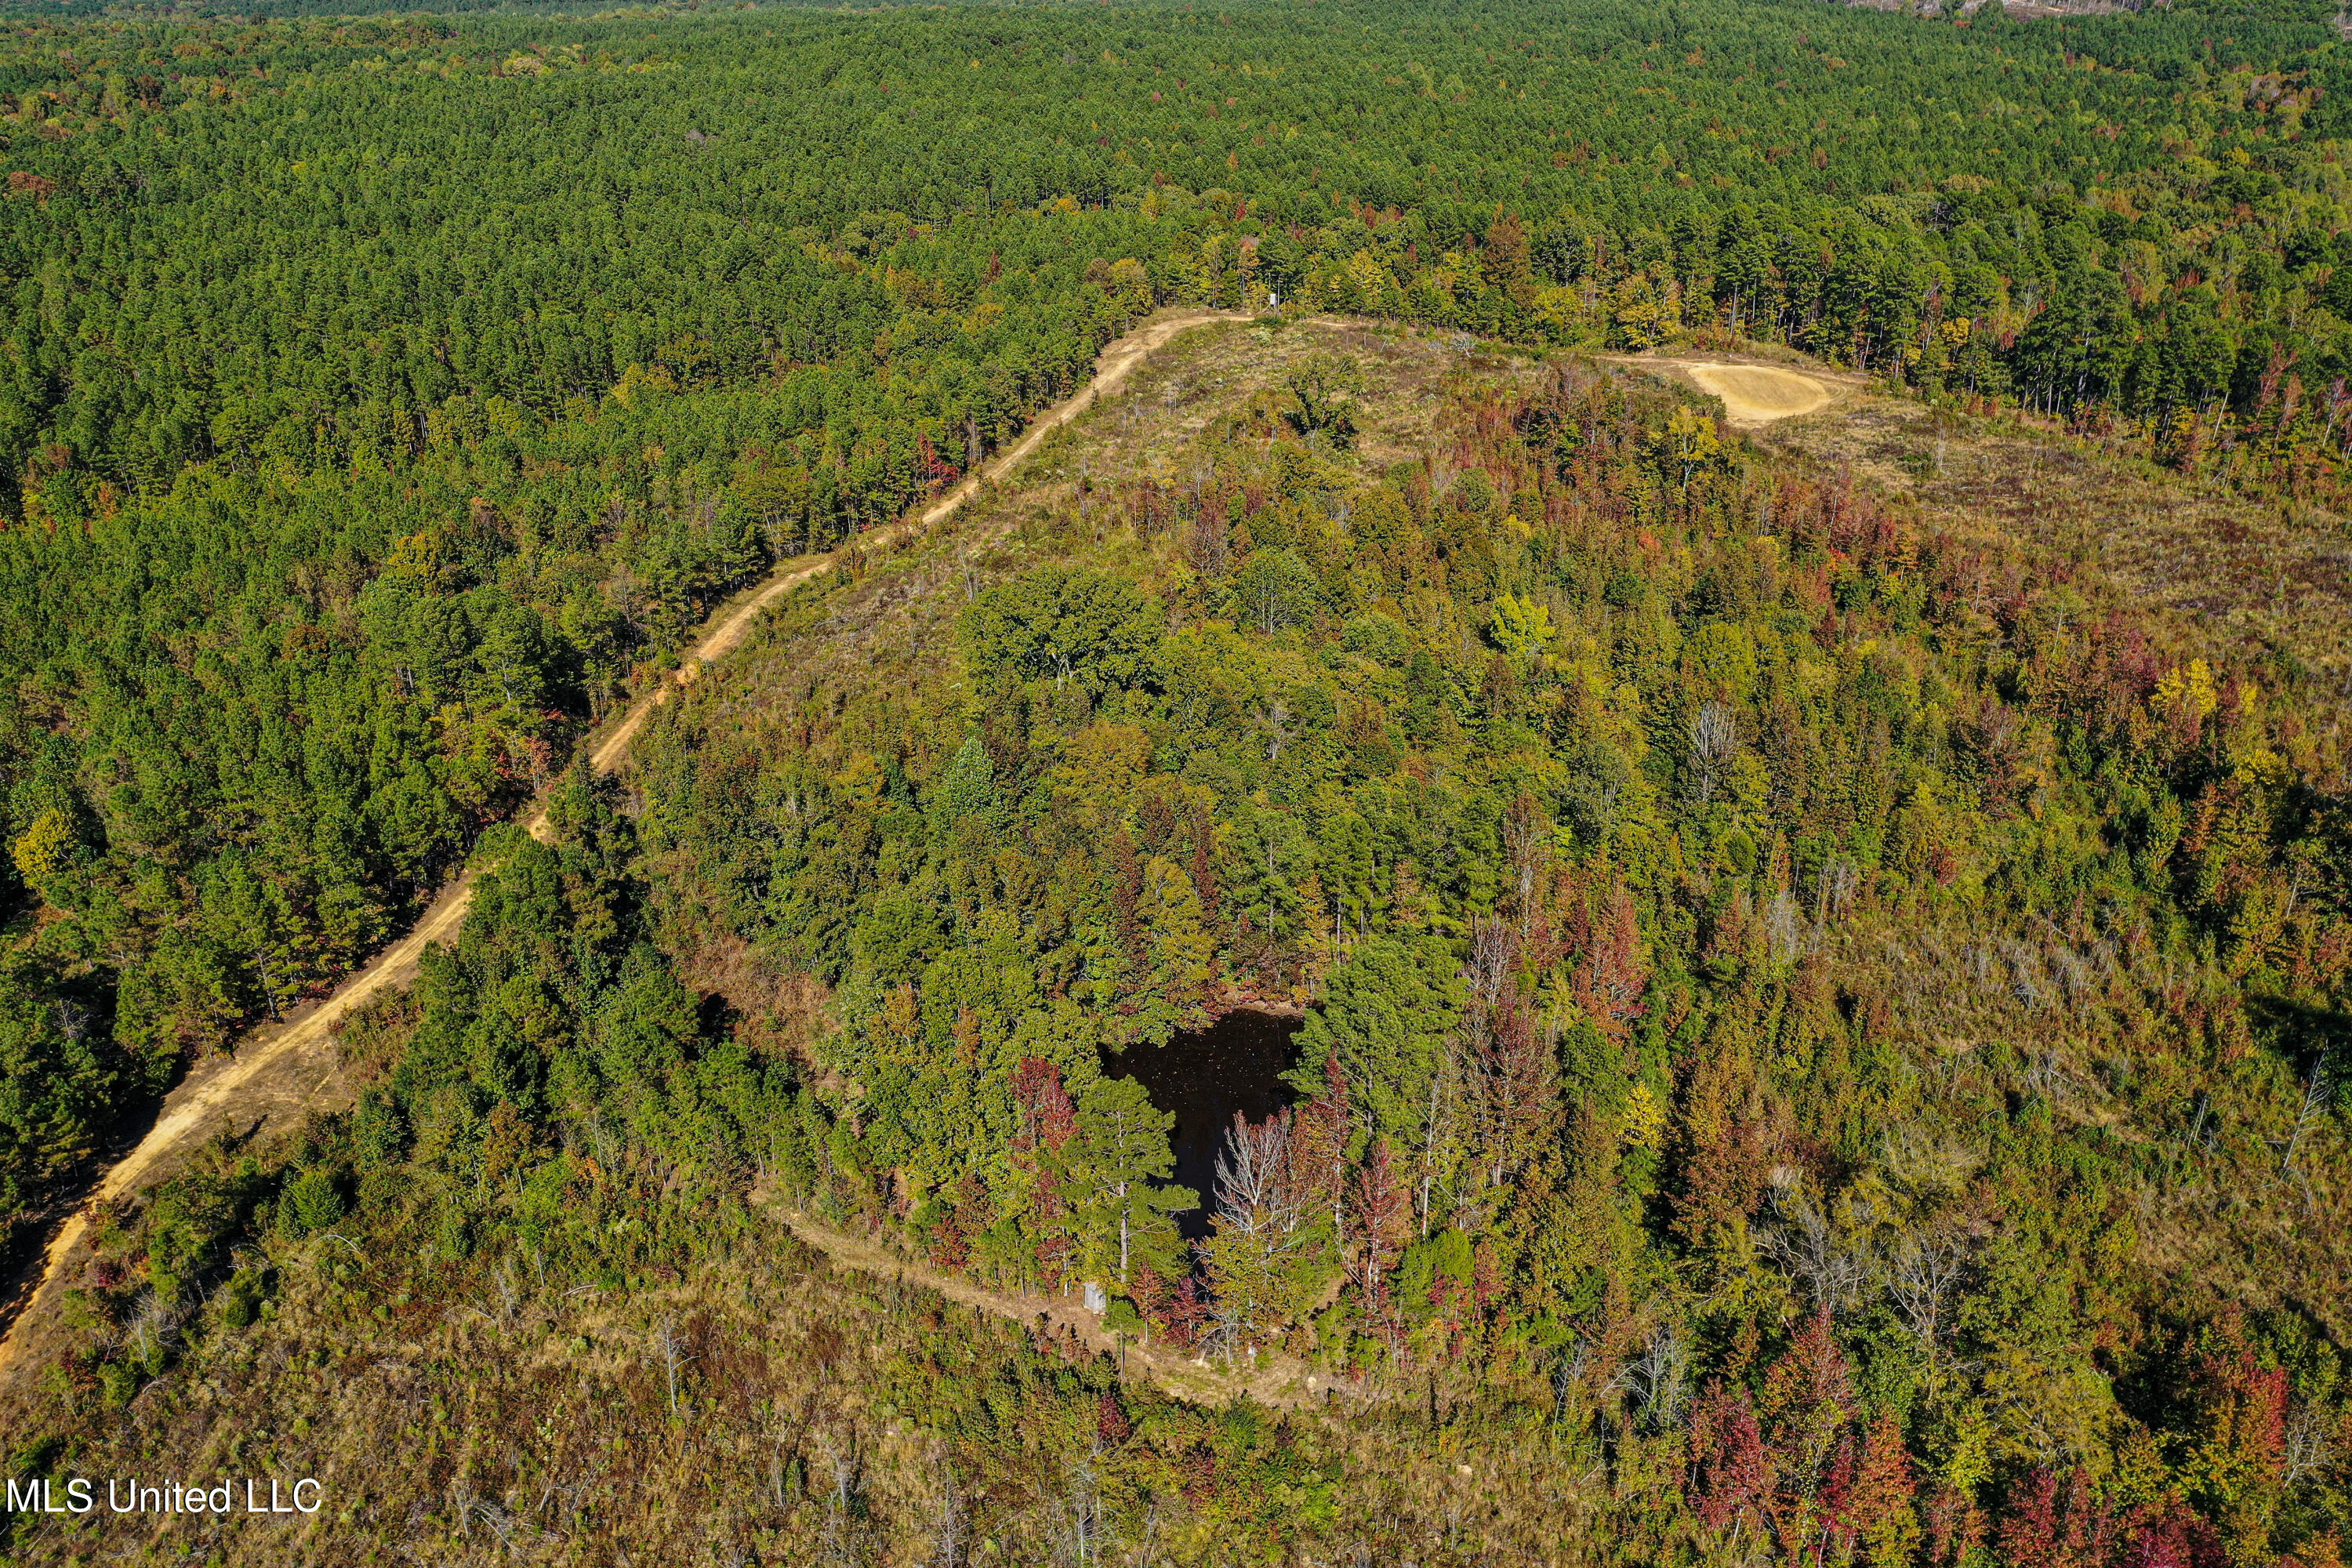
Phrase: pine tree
(1122, 1159)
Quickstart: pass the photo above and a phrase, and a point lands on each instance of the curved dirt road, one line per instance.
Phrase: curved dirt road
(200, 1100)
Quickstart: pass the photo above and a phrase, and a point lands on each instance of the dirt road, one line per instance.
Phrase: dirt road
(1277, 1380)
(300, 1053)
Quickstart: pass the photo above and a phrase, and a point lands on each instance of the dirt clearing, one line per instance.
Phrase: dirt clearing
(1757, 394)
(1751, 394)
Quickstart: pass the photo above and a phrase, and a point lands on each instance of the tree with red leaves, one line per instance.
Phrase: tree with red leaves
(2054, 1524)
(1150, 1292)
(1955, 1526)
(2233, 1472)
(938, 472)
(1804, 1409)
(964, 1219)
(1186, 1314)
(1730, 1475)
(1204, 866)
(2175, 1537)
(1112, 1425)
(1880, 1508)
(1048, 1118)
(1379, 1221)
(1609, 980)
(1125, 871)
(1048, 1122)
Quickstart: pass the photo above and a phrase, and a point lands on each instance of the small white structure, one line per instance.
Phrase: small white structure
(1097, 1301)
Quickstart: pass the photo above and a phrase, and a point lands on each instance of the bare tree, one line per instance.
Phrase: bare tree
(1509, 1068)
(1527, 837)
(1833, 1269)
(949, 1530)
(1836, 885)
(1254, 1223)
(1493, 953)
(672, 1351)
(1249, 1173)
(1659, 1378)
(1929, 1161)
(1924, 1275)
(1714, 740)
(1081, 1516)
(1569, 1366)
(2309, 1447)
(1274, 716)
(154, 1324)
(840, 1545)
(509, 1294)
(1437, 1125)
(2316, 1094)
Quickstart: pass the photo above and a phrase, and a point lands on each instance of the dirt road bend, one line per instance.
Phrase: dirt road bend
(1279, 1380)
(219, 1089)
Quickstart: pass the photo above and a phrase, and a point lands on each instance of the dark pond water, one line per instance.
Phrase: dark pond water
(1234, 1065)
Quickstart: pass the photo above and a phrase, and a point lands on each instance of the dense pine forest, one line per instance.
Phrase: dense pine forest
(1817, 1034)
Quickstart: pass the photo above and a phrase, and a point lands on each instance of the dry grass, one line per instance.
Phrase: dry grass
(757, 1405)
(2270, 585)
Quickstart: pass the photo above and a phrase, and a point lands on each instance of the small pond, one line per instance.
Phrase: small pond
(1204, 1076)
